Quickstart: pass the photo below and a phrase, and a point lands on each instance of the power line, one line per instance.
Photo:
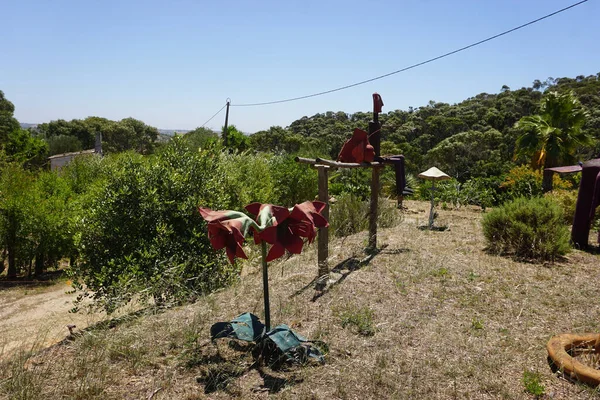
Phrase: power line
(414, 65)
(217, 113)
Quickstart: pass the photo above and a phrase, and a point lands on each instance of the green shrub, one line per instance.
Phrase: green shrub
(140, 231)
(349, 215)
(293, 182)
(522, 181)
(567, 199)
(527, 228)
(246, 178)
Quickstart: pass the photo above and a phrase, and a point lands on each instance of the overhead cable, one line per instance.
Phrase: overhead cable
(414, 65)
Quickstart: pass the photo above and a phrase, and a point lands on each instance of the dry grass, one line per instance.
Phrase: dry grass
(431, 316)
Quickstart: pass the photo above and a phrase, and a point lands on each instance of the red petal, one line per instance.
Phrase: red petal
(320, 221)
(254, 208)
(269, 235)
(280, 213)
(294, 245)
(276, 251)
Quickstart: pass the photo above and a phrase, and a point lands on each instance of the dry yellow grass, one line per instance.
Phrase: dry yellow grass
(448, 320)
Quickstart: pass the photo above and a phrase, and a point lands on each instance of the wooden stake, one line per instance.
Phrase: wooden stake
(373, 211)
(323, 249)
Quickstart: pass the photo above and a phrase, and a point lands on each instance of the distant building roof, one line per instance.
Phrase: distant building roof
(74, 153)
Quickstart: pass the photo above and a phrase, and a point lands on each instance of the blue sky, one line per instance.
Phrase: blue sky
(173, 64)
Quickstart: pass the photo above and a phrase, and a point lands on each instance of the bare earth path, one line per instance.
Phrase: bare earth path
(38, 316)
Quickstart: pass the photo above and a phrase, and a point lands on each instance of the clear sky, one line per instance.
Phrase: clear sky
(174, 63)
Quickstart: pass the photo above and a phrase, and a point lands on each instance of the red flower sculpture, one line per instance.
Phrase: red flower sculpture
(227, 229)
(357, 149)
(290, 228)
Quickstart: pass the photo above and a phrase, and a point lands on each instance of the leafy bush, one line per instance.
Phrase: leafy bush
(527, 228)
(246, 178)
(567, 200)
(477, 191)
(522, 181)
(350, 215)
(140, 231)
(293, 182)
(356, 181)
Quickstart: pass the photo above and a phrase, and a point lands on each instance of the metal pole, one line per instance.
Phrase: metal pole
(266, 285)
(226, 123)
(431, 213)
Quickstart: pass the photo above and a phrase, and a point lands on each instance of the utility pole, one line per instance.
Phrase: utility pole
(226, 122)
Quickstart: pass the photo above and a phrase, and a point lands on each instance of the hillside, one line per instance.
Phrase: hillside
(439, 317)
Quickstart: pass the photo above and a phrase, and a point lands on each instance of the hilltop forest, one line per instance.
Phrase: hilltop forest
(128, 221)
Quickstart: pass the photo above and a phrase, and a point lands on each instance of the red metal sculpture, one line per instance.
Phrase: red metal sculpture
(587, 201)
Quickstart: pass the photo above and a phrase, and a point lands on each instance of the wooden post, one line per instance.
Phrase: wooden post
(373, 211)
(323, 249)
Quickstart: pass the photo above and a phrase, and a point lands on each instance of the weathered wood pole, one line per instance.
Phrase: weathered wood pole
(323, 248)
(373, 210)
(375, 140)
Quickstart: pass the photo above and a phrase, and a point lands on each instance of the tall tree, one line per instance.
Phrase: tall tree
(552, 137)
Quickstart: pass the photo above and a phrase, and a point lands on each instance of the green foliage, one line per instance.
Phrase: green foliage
(349, 215)
(140, 232)
(8, 123)
(24, 148)
(117, 136)
(16, 206)
(201, 138)
(567, 199)
(275, 140)
(532, 383)
(552, 137)
(293, 182)
(354, 181)
(469, 154)
(63, 144)
(358, 318)
(235, 139)
(246, 178)
(482, 192)
(527, 228)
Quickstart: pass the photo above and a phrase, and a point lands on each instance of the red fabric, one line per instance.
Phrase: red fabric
(289, 230)
(377, 103)
(227, 234)
(357, 149)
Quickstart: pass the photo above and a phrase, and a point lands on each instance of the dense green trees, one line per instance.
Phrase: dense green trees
(117, 136)
(130, 218)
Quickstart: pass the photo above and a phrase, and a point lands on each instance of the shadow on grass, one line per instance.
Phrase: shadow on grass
(434, 228)
(345, 268)
(45, 280)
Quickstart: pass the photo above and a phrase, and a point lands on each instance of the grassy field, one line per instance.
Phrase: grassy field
(431, 316)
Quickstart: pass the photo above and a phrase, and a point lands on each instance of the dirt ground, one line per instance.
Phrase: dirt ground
(38, 316)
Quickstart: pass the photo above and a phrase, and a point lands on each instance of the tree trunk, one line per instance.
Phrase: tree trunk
(12, 265)
(547, 181)
(39, 263)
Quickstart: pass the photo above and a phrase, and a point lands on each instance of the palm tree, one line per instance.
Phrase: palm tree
(552, 137)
